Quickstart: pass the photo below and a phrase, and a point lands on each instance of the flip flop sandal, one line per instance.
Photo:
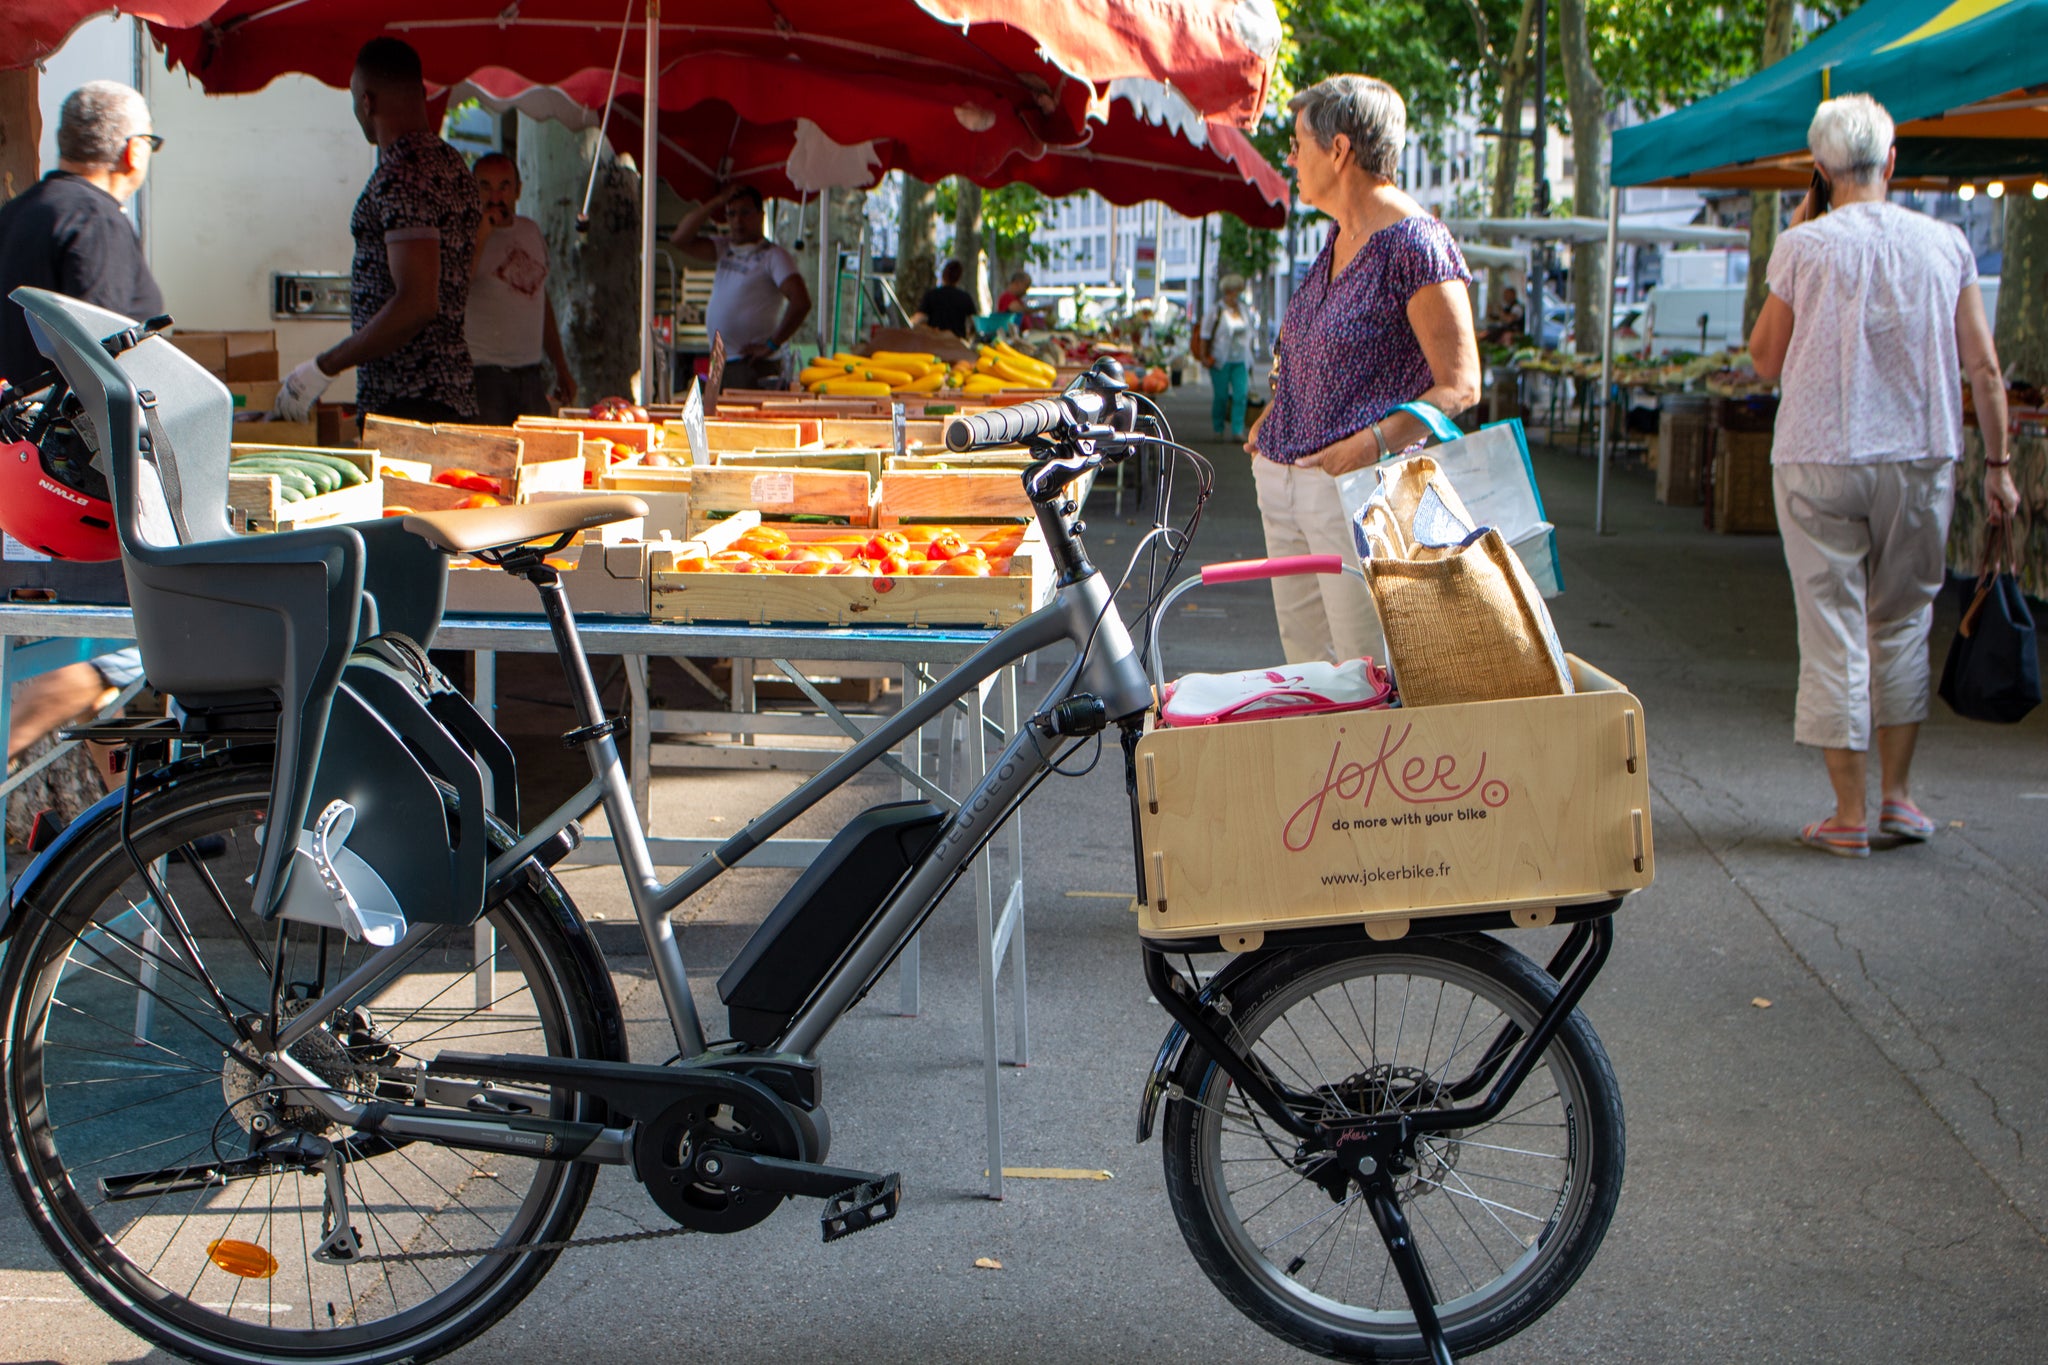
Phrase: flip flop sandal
(1844, 841)
(1906, 821)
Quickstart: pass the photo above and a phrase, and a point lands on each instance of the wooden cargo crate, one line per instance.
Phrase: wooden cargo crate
(601, 580)
(849, 600)
(1383, 817)
(523, 462)
(256, 502)
(906, 495)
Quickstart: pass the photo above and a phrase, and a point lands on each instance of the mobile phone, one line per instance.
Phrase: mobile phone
(1819, 192)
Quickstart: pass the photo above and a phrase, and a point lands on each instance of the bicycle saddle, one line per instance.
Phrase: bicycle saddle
(466, 530)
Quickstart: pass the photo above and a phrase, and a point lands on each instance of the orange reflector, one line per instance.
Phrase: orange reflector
(245, 1259)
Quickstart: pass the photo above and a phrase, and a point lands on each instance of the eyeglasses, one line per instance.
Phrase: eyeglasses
(155, 140)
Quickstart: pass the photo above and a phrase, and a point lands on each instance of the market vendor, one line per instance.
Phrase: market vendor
(513, 340)
(1382, 318)
(415, 228)
(758, 298)
(1504, 325)
(946, 305)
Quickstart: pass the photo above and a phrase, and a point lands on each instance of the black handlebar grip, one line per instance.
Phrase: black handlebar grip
(1004, 426)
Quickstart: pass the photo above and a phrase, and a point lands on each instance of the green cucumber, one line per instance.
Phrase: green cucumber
(324, 481)
(351, 475)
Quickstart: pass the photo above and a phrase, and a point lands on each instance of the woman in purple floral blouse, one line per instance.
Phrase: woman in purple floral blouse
(1382, 319)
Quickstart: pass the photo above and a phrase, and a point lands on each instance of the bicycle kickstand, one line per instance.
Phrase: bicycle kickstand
(1394, 1231)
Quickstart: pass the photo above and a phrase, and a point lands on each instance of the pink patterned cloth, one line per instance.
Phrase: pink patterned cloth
(1347, 356)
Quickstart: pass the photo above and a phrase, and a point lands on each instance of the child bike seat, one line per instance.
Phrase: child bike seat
(224, 621)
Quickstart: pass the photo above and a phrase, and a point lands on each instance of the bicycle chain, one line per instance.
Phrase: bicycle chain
(559, 1244)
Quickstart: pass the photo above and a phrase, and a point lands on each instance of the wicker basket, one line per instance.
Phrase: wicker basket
(1743, 504)
(1684, 441)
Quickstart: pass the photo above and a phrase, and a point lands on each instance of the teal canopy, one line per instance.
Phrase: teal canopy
(1965, 81)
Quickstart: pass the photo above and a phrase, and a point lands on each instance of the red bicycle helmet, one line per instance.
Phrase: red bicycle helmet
(53, 501)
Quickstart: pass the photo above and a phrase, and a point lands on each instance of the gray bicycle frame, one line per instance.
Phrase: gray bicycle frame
(1105, 666)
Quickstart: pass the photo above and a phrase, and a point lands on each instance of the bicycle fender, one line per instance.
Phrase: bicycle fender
(108, 807)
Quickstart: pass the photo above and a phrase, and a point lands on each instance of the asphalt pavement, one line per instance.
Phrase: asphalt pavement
(1832, 1071)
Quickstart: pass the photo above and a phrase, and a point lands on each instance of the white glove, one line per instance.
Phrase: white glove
(300, 391)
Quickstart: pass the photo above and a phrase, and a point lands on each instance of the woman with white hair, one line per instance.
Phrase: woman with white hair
(1227, 350)
(1872, 307)
(1381, 319)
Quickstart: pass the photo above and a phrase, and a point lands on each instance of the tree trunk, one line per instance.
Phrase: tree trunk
(917, 250)
(1766, 208)
(1507, 168)
(21, 131)
(849, 217)
(2022, 321)
(967, 243)
(594, 279)
(1588, 100)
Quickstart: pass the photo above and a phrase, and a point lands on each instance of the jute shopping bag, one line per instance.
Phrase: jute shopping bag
(1463, 619)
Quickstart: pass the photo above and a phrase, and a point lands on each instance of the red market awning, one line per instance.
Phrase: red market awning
(31, 30)
(1195, 167)
(1049, 63)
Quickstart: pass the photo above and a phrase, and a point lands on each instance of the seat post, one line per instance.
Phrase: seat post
(554, 602)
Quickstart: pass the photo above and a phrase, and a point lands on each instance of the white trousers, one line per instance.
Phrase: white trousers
(1324, 616)
(1865, 544)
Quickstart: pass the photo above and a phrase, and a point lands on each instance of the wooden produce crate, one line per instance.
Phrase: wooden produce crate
(1383, 817)
(847, 600)
(524, 462)
(1684, 444)
(778, 492)
(919, 433)
(256, 502)
(1743, 500)
(912, 495)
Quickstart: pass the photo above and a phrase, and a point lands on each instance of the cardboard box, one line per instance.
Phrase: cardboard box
(606, 580)
(233, 357)
(1382, 817)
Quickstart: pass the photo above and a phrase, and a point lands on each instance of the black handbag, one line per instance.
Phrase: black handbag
(1993, 671)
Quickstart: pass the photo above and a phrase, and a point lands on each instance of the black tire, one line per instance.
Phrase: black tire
(69, 989)
(1315, 1272)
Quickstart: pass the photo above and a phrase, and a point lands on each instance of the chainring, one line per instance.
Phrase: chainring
(666, 1149)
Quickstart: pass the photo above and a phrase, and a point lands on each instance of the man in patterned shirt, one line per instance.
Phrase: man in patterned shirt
(415, 228)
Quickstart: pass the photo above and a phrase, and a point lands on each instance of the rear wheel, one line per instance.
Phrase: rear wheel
(180, 1190)
(1505, 1215)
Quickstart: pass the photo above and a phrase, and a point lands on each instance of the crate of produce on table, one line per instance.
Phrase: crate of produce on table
(1382, 817)
(284, 489)
(743, 570)
(476, 466)
(601, 579)
(779, 492)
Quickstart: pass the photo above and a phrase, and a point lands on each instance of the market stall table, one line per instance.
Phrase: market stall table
(1000, 935)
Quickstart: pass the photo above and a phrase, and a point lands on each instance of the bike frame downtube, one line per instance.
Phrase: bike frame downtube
(1081, 613)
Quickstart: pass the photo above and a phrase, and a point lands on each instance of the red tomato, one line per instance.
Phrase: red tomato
(946, 543)
(765, 541)
(804, 566)
(964, 566)
(478, 500)
(883, 544)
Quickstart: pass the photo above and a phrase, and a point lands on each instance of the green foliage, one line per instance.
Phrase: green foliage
(1243, 250)
(1010, 219)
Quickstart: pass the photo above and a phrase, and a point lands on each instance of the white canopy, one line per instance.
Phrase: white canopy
(1594, 230)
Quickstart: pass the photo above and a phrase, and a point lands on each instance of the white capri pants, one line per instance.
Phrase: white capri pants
(1865, 544)
(1323, 616)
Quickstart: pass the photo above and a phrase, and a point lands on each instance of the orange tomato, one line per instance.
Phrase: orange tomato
(883, 544)
(1000, 533)
(397, 511)
(827, 552)
(964, 566)
(844, 568)
(732, 557)
(692, 563)
(479, 500)
(930, 566)
(764, 541)
(804, 566)
(749, 566)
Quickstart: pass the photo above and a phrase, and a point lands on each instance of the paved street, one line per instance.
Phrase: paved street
(1851, 1171)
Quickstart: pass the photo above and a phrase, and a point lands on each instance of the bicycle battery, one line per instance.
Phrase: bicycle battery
(837, 897)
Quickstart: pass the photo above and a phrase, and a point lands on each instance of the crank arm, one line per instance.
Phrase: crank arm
(773, 1175)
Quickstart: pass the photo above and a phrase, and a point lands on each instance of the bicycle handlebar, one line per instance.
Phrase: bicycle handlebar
(1006, 426)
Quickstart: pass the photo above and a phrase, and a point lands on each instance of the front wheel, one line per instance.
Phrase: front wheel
(182, 1192)
(1506, 1216)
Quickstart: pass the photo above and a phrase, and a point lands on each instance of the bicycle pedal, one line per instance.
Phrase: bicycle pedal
(860, 1208)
